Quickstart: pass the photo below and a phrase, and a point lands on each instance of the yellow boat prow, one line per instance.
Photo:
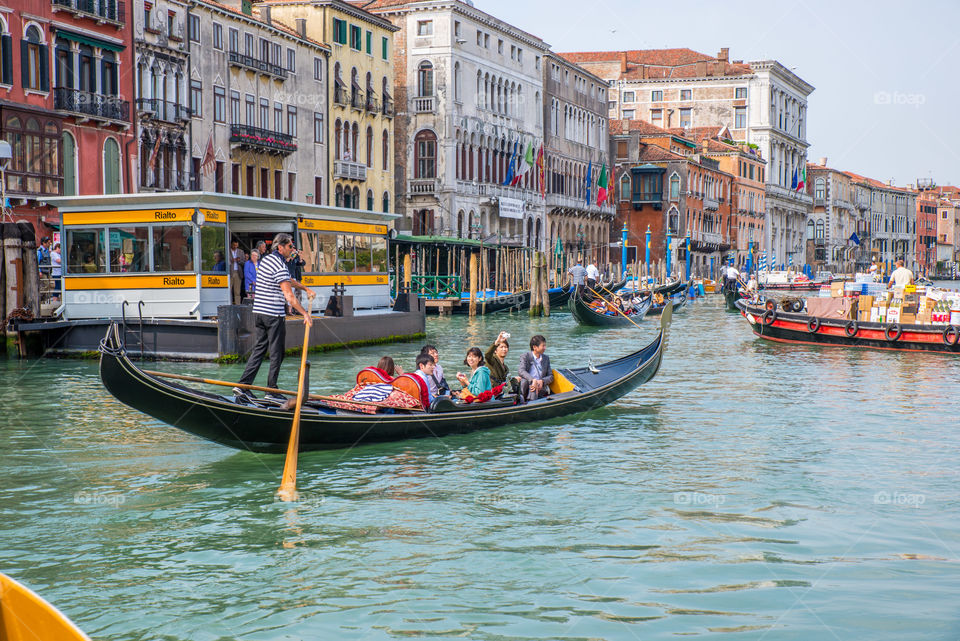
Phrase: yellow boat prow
(24, 616)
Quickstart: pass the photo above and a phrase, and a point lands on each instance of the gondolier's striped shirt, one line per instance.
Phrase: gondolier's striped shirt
(269, 299)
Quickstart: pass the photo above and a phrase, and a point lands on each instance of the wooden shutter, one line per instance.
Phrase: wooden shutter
(6, 59)
(24, 64)
(44, 68)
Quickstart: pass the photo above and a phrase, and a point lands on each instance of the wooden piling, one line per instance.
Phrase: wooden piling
(473, 283)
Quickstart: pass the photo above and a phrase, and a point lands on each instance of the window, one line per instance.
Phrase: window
(625, 187)
(276, 57)
(656, 115)
(628, 114)
(234, 40)
(291, 120)
(425, 150)
(317, 127)
(740, 92)
(111, 167)
(383, 47)
(291, 185)
(34, 61)
(318, 68)
(355, 35)
(520, 56)
(674, 187)
(85, 253)
(629, 96)
(219, 104)
(621, 149)
(369, 43)
(369, 201)
(172, 248)
(35, 163)
(277, 117)
(425, 79)
(686, 94)
(685, 117)
(386, 210)
(218, 36)
(740, 118)
(513, 50)
(291, 61)
(196, 98)
(194, 27)
(251, 108)
(456, 28)
(248, 44)
(386, 151)
(656, 96)
(486, 41)
(819, 190)
(479, 38)
(264, 113)
(339, 31)
(213, 249)
(424, 27)
(69, 165)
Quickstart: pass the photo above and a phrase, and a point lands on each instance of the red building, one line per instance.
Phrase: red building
(66, 82)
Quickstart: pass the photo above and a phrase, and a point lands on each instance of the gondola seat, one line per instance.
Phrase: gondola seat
(415, 387)
(369, 375)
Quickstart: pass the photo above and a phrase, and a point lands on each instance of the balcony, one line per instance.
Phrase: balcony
(92, 105)
(576, 206)
(262, 139)
(349, 170)
(251, 63)
(356, 100)
(340, 96)
(163, 110)
(373, 105)
(388, 108)
(425, 105)
(422, 186)
(640, 198)
(709, 202)
(112, 11)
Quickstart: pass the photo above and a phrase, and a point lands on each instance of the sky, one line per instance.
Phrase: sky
(886, 74)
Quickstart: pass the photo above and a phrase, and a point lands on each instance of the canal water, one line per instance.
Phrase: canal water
(751, 491)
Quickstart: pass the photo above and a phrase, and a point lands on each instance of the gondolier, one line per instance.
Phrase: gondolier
(274, 286)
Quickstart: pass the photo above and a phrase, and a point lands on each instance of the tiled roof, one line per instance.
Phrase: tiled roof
(256, 18)
(645, 128)
(652, 153)
(644, 64)
(665, 57)
(873, 182)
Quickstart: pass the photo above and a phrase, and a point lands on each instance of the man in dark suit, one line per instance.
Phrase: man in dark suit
(535, 372)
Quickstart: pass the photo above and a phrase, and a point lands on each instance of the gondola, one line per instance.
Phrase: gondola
(263, 428)
(799, 328)
(496, 302)
(585, 315)
(678, 302)
(559, 296)
(731, 296)
(25, 616)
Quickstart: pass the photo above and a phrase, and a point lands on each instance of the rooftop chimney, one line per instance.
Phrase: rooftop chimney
(823, 161)
(265, 14)
(724, 54)
(302, 27)
(623, 62)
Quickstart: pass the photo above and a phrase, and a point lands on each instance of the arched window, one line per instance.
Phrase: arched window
(386, 150)
(339, 196)
(460, 224)
(818, 235)
(457, 93)
(339, 95)
(338, 131)
(809, 230)
(356, 198)
(34, 60)
(674, 187)
(425, 79)
(355, 156)
(820, 190)
(355, 89)
(386, 202)
(69, 165)
(425, 154)
(111, 167)
(625, 187)
(369, 200)
(370, 152)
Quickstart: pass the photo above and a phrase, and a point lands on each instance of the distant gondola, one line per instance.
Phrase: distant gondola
(496, 302)
(585, 315)
(678, 300)
(263, 428)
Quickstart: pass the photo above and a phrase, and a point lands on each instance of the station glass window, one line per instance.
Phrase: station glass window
(361, 248)
(213, 249)
(129, 249)
(345, 257)
(378, 254)
(85, 251)
(172, 248)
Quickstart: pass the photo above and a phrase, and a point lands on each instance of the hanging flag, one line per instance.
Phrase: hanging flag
(589, 180)
(513, 166)
(854, 238)
(793, 183)
(526, 163)
(803, 179)
(152, 163)
(610, 196)
(209, 158)
(541, 174)
(602, 184)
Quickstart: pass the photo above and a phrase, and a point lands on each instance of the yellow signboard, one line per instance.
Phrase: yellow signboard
(183, 281)
(339, 226)
(140, 216)
(348, 279)
(213, 281)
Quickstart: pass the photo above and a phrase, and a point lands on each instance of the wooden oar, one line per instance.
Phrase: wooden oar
(288, 482)
(259, 388)
(614, 307)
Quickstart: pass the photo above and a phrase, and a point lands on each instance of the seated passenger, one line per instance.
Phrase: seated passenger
(425, 365)
(389, 368)
(496, 359)
(479, 379)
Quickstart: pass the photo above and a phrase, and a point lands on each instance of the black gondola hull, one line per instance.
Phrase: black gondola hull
(586, 316)
(222, 420)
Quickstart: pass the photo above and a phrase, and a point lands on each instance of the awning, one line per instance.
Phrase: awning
(87, 40)
(339, 81)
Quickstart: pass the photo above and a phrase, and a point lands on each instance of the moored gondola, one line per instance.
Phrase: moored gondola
(678, 302)
(799, 328)
(264, 428)
(559, 296)
(731, 296)
(495, 302)
(586, 315)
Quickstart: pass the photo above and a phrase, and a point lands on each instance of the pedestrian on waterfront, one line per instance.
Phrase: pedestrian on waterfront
(250, 273)
(43, 254)
(479, 380)
(441, 387)
(274, 286)
(56, 268)
(236, 272)
(496, 359)
(901, 276)
(535, 372)
(425, 367)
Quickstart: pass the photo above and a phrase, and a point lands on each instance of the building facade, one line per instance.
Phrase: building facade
(65, 91)
(257, 103)
(938, 228)
(761, 103)
(576, 131)
(888, 229)
(834, 228)
(162, 81)
(360, 102)
(468, 90)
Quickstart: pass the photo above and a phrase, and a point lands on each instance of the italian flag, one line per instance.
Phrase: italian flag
(803, 179)
(526, 162)
(540, 172)
(602, 185)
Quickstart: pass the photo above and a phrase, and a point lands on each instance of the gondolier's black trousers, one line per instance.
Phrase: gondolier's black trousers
(271, 337)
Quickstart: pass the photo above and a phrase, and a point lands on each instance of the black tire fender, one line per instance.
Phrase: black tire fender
(948, 331)
(770, 304)
(893, 332)
(851, 329)
(813, 325)
(768, 317)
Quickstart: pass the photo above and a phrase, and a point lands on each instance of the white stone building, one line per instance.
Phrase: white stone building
(469, 91)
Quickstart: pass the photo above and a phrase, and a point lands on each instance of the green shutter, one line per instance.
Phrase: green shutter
(384, 46)
(24, 64)
(6, 59)
(69, 166)
(44, 68)
(370, 43)
(111, 167)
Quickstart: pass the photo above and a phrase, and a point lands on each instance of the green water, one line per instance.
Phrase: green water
(751, 491)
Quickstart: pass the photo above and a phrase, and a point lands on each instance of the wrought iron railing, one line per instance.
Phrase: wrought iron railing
(249, 62)
(106, 10)
(91, 104)
(263, 138)
(163, 109)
